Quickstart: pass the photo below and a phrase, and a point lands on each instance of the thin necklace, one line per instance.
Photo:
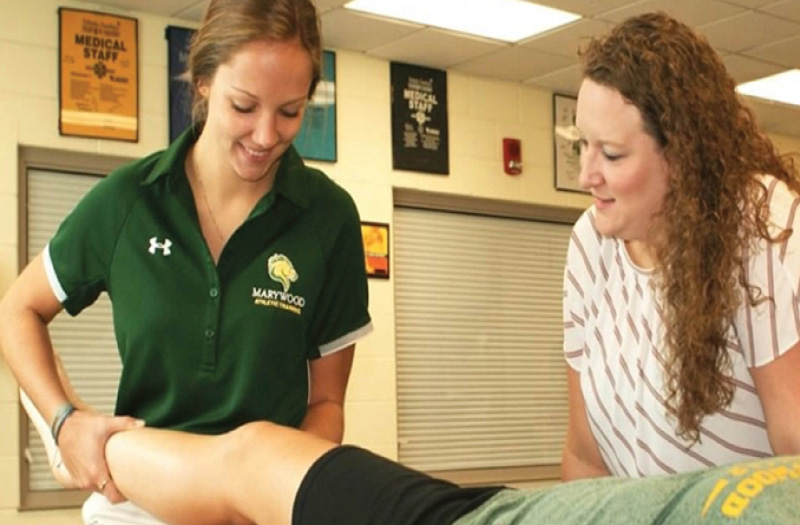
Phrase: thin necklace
(205, 199)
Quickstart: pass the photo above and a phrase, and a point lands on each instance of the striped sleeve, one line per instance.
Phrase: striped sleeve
(576, 281)
(771, 327)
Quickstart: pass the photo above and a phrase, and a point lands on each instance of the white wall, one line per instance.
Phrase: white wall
(481, 113)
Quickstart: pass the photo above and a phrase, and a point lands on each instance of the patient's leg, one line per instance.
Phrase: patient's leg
(249, 475)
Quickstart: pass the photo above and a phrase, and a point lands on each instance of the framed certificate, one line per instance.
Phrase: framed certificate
(566, 145)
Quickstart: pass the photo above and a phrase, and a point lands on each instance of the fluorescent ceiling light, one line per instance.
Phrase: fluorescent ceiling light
(783, 87)
(506, 20)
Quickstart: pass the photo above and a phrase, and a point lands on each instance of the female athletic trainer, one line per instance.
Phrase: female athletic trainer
(236, 273)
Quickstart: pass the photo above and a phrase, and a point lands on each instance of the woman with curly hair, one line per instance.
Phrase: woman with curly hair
(681, 307)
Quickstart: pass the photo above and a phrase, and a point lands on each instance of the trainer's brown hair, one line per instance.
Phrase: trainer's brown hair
(715, 207)
(230, 24)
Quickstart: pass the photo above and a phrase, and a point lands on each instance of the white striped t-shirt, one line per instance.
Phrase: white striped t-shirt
(613, 333)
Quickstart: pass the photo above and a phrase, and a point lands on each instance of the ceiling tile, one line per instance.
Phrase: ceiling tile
(750, 4)
(327, 5)
(737, 33)
(347, 29)
(584, 7)
(194, 12)
(691, 12)
(163, 8)
(435, 48)
(787, 9)
(515, 63)
(132, 5)
(748, 30)
(564, 81)
(181, 5)
(790, 125)
(768, 114)
(785, 53)
(566, 39)
(744, 69)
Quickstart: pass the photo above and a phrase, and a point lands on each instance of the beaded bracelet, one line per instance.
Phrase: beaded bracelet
(63, 412)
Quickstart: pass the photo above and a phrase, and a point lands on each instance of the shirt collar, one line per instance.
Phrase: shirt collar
(290, 180)
(173, 158)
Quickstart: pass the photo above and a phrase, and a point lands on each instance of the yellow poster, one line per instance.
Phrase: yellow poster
(376, 248)
(99, 85)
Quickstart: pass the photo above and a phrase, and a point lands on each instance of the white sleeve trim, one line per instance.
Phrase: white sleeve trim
(52, 278)
(345, 341)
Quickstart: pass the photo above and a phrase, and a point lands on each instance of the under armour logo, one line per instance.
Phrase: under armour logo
(164, 246)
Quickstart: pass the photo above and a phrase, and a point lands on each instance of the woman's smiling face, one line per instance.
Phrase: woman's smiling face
(256, 103)
(621, 164)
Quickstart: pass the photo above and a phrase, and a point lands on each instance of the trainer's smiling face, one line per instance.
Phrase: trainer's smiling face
(256, 103)
(621, 164)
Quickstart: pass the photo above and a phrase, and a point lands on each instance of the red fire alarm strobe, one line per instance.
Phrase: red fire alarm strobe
(512, 156)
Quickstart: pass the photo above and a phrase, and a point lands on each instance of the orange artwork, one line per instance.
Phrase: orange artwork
(98, 66)
(376, 248)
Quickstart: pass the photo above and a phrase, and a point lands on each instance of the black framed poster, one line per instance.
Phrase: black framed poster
(419, 119)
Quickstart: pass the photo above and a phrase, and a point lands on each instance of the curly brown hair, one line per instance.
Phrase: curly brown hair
(715, 208)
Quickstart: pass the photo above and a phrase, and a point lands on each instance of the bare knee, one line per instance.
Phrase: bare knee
(240, 451)
(238, 447)
(267, 463)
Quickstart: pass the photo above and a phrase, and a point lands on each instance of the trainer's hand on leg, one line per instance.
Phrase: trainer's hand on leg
(82, 442)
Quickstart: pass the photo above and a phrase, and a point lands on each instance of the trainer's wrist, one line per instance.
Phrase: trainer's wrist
(61, 415)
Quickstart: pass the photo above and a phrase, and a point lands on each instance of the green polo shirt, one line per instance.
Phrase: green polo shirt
(205, 347)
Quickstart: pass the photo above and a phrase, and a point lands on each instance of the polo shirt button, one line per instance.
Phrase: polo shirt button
(213, 292)
(209, 333)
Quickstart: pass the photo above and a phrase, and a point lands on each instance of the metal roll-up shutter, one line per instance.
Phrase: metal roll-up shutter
(481, 373)
(85, 343)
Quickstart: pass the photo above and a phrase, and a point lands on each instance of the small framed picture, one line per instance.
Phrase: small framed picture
(376, 248)
(566, 144)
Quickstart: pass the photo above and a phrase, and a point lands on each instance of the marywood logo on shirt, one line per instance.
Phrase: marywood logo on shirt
(281, 270)
(741, 484)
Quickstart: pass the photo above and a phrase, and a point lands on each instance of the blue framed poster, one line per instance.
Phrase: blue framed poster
(317, 137)
(180, 93)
